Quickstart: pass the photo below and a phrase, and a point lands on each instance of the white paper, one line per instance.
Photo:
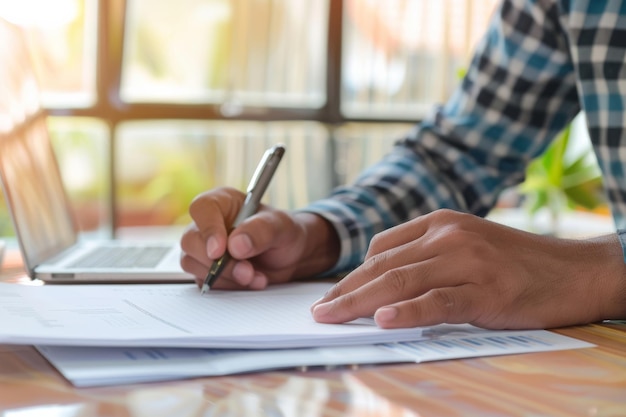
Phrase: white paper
(176, 315)
(454, 342)
(93, 366)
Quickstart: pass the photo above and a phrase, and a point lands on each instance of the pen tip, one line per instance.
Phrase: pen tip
(205, 288)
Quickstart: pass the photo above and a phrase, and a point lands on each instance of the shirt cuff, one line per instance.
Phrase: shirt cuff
(621, 233)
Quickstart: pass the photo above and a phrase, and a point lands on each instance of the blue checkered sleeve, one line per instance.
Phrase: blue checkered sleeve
(521, 89)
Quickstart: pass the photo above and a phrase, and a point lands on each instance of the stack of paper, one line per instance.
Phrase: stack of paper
(113, 334)
(93, 366)
(175, 315)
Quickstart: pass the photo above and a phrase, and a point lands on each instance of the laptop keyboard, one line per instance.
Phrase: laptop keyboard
(122, 257)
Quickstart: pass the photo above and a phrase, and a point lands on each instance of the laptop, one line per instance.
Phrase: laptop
(45, 226)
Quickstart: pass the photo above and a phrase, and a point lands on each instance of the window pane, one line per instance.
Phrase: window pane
(242, 52)
(402, 56)
(62, 38)
(163, 165)
(360, 145)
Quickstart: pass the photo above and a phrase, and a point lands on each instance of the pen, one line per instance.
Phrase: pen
(259, 182)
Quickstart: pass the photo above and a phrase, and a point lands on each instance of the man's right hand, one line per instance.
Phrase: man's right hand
(271, 246)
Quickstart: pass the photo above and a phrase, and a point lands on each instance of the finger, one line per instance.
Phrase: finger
(195, 260)
(264, 230)
(244, 274)
(348, 284)
(396, 285)
(226, 281)
(393, 263)
(441, 305)
(346, 307)
(224, 284)
(431, 227)
(393, 286)
(241, 272)
(191, 265)
(420, 239)
(259, 282)
(193, 245)
(213, 212)
(397, 236)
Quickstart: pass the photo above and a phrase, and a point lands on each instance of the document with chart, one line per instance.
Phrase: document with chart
(113, 334)
(93, 366)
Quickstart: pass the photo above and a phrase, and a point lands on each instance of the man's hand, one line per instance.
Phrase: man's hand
(272, 246)
(449, 267)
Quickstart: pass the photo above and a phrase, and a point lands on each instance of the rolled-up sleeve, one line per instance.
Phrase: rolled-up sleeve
(519, 92)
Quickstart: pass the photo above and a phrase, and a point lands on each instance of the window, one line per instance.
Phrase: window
(154, 101)
(63, 40)
(227, 53)
(401, 56)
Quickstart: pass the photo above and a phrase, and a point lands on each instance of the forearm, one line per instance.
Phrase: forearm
(472, 149)
(399, 188)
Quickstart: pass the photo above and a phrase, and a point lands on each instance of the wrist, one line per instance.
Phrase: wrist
(596, 268)
(321, 250)
(612, 277)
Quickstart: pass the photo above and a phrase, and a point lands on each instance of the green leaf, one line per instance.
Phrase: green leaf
(587, 194)
(581, 170)
(537, 201)
(555, 183)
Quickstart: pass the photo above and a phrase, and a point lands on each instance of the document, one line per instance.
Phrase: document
(175, 315)
(94, 366)
(115, 334)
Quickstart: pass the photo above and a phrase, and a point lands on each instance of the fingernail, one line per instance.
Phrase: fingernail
(315, 303)
(322, 310)
(211, 248)
(241, 245)
(385, 314)
(259, 281)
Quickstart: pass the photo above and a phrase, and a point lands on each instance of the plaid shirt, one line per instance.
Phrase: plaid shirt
(539, 64)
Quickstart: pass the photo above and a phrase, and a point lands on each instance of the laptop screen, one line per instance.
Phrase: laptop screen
(31, 180)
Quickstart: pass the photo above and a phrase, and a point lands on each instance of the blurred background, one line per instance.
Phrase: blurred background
(152, 101)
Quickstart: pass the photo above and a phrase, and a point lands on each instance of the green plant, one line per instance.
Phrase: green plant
(562, 178)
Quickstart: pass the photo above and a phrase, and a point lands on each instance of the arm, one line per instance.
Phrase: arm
(519, 92)
(421, 269)
(461, 158)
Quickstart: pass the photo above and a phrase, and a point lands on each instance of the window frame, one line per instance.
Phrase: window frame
(110, 108)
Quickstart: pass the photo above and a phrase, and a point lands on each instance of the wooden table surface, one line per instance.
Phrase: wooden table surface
(583, 382)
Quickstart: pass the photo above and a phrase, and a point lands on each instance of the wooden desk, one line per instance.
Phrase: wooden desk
(583, 382)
